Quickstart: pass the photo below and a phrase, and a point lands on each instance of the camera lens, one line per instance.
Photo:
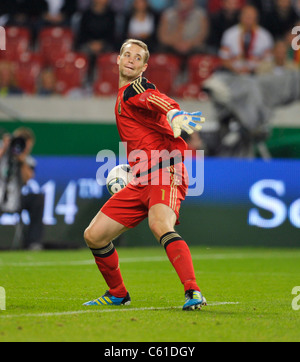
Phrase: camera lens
(17, 145)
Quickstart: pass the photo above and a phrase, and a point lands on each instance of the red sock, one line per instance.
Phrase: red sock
(179, 255)
(107, 260)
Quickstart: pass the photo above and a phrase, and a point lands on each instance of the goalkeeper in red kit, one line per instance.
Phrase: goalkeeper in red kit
(149, 123)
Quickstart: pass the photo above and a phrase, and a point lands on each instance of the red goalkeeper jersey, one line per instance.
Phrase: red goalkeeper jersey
(142, 123)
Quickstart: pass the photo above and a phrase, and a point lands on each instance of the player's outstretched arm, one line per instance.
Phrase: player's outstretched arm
(188, 122)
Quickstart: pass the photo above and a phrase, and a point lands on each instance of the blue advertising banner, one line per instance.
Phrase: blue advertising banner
(272, 186)
(254, 197)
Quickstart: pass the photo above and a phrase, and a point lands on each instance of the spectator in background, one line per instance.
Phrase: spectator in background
(33, 203)
(160, 5)
(293, 52)
(22, 169)
(8, 82)
(47, 83)
(96, 31)
(202, 3)
(281, 19)
(27, 12)
(121, 6)
(264, 7)
(279, 62)
(4, 12)
(82, 5)
(246, 44)
(222, 20)
(156, 5)
(183, 28)
(59, 12)
(141, 23)
(296, 6)
(97, 27)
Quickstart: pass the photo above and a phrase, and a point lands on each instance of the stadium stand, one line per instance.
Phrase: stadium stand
(17, 42)
(54, 43)
(201, 67)
(28, 70)
(107, 72)
(45, 47)
(70, 71)
(163, 71)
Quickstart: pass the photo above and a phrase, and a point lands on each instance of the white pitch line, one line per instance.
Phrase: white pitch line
(124, 260)
(103, 311)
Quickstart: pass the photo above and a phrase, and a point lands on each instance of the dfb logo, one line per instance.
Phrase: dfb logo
(2, 38)
(296, 39)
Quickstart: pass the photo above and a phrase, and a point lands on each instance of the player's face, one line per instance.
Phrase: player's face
(132, 62)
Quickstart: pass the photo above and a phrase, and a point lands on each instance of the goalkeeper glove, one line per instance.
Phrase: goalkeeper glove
(188, 122)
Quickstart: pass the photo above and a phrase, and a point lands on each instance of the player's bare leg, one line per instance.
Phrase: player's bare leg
(102, 230)
(161, 222)
(99, 236)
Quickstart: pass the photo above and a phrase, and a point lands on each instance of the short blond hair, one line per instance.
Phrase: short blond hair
(24, 132)
(138, 43)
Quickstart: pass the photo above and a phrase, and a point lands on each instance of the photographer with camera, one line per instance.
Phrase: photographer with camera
(17, 167)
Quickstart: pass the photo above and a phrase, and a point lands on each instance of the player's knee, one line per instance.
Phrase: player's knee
(94, 239)
(158, 227)
(91, 239)
(87, 237)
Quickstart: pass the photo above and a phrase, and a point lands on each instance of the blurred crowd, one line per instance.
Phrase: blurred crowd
(68, 46)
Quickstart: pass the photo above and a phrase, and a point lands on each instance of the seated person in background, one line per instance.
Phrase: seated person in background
(119, 6)
(5, 11)
(47, 83)
(160, 5)
(8, 82)
(246, 44)
(97, 27)
(26, 12)
(59, 12)
(222, 20)
(293, 39)
(141, 23)
(296, 7)
(281, 18)
(264, 7)
(183, 28)
(96, 32)
(279, 61)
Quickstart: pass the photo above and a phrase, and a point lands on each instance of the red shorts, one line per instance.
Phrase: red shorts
(130, 206)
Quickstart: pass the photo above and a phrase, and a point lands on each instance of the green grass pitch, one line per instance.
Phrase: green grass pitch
(249, 294)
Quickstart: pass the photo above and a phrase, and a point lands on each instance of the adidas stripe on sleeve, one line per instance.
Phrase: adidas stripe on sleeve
(144, 94)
